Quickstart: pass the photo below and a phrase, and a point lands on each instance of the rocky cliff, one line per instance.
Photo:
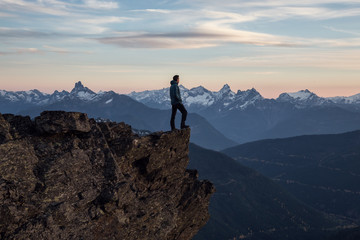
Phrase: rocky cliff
(64, 176)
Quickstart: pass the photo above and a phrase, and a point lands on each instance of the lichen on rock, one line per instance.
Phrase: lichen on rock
(64, 176)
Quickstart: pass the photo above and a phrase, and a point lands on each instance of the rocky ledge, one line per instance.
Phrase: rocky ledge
(64, 176)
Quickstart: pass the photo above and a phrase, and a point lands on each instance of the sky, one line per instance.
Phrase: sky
(274, 46)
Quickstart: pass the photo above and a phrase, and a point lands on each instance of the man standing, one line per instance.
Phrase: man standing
(176, 103)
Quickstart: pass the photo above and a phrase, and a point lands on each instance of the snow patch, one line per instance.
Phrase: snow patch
(346, 100)
(204, 99)
(301, 95)
(85, 95)
(108, 101)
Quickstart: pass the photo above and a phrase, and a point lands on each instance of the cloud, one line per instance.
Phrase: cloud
(342, 31)
(340, 59)
(97, 4)
(318, 13)
(206, 35)
(44, 49)
(105, 20)
(28, 50)
(21, 51)
(156, 41)
(207, 27)
(56, 8)
(56, 49)
(264, 3)
(22, 33)
(244, 14)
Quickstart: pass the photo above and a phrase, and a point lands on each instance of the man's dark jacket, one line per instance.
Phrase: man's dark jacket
(175, 93)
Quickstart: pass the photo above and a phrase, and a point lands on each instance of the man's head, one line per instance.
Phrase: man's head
(176, 78)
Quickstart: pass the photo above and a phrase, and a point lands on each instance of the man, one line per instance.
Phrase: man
(176, 103)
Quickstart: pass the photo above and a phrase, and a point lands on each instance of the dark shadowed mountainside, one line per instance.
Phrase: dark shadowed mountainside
(248, 205)
(348, 234)
(320, 170)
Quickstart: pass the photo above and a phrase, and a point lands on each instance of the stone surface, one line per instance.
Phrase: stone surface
(62, 122)
(64, 176)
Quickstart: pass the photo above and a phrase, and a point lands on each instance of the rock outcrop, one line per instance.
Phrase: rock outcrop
(64, 176)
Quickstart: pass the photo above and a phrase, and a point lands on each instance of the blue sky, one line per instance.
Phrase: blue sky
(274, 46)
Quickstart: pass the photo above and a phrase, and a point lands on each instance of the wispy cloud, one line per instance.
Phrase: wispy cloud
(21, 51)
(46, 7)
(22, 33)
(42, 50)
(342, 31)
(98, 4)
(264, 3)
(54, 7)
(105, 20)
(158, 41)
(206, 36)
(341, 59)
(56, 49)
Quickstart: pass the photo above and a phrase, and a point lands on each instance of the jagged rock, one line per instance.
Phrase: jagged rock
(62, 122)
(64, 176)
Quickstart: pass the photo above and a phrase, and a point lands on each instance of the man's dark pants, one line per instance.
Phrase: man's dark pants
(183, 111)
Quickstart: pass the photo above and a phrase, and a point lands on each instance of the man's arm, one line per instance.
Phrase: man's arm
(178, 96)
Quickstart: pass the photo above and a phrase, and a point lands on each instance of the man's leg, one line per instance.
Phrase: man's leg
(173, 114)
(183, 115)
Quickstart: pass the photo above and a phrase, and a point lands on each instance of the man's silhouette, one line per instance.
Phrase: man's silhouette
(176, 103)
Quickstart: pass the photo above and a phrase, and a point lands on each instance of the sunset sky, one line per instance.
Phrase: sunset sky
(274, 46)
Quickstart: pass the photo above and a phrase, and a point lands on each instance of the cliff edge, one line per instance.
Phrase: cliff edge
(64, 176)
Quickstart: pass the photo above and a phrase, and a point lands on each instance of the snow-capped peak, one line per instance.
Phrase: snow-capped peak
(225, 88)
(301, 95)
(346, 100)
(303, 98)
(199, 90)
(182, 88)
(79, 87)
(82, 92)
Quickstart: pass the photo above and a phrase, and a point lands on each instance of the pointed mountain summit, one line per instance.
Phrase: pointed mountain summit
(79, 87)
(302, 98)
(250, 93)
(82, 92)
(300, 95)
(198, 90)
(225, 89)
(224, 93)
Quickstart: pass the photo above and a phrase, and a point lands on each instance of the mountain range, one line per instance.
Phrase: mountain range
(112, 106)
(247, 116)
(225, 99)
(219, 119)
(198, 98)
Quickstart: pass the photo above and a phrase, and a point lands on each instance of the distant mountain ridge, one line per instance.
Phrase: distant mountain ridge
(247, 116)
(240, 117)
(197, 98)
(225, 99)
(113, 106)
